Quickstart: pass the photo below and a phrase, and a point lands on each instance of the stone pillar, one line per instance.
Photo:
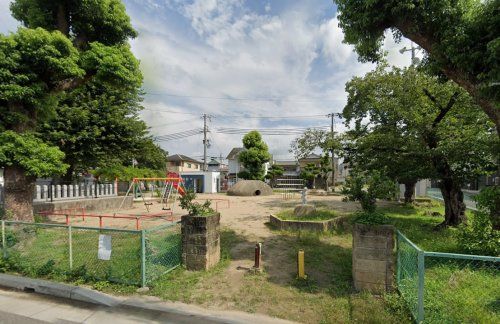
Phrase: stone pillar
(70, 191)
(372, 257)
(58, 191)
(200, 241)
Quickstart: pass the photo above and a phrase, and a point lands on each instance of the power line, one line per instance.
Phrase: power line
(172, 123)
(303, 99)
(178, 135)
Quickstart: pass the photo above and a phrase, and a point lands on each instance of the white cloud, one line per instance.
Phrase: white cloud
(226, 49)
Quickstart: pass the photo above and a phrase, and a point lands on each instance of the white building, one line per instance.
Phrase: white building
(202, 182)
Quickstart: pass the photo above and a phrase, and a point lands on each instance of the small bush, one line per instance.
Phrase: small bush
(479, 237)
(370, 218)
(482, 235)
(194, 208)
(46, 269)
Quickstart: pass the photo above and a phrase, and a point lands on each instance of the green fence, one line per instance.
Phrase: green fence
(116, 255)
(447, 287)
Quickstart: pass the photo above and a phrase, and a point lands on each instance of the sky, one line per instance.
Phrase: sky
(247, 64)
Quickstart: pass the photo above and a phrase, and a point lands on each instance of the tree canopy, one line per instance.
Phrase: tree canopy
(460, 38)
(254, 156)
(63, 45)
(414, 125)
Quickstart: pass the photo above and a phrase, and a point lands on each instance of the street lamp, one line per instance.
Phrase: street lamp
(414, 60)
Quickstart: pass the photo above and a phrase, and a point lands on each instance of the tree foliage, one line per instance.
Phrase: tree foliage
(63, 45)
(34, 156)
(254, 156)
(413, 125)
(366, 187)
(274, 172)
(311, 140)
(460, 39)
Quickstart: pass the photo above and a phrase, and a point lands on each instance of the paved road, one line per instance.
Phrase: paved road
(23, 307)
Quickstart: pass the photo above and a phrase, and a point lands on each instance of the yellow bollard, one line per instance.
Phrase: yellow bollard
(300, 265)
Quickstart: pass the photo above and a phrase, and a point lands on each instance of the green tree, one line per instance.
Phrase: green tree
(98, 125)
(316, 139)
(434, 121)
(63, 45)
(366, 187)
(309, 173)
(254, 156)
(274, 172)
(460, 38)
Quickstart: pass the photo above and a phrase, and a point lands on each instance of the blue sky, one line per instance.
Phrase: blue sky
(239, 58)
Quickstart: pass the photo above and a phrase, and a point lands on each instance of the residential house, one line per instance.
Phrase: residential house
(290, 168)
(217, 166)
(235, 166)
(316, 160)
(181, 163)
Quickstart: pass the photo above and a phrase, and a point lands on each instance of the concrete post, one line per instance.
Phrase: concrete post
(372, 257)
(58, 191)
(64, 191)
(38, 192)
(200, 241)
(45, 192)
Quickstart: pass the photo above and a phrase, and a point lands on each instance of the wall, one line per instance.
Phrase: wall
(95, 204)
(209, 180)
(183, 167)
(234, 166)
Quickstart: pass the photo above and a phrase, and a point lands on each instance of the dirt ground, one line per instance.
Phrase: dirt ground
(325, 298)
(245, 215)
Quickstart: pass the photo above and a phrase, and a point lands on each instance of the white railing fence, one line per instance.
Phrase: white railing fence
(74, 191)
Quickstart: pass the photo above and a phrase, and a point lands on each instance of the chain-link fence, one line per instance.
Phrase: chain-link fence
(447, 287)
(162, 250)
(89, 254)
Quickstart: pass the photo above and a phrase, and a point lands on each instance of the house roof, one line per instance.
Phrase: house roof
(286, 162)
(213, 162)
(180, 157)
(311, 157)
(235, 152)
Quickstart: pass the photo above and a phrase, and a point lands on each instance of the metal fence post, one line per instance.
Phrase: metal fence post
(4, 248)
(421, 276)
(70, 243)
(398, 262)
(143, 258)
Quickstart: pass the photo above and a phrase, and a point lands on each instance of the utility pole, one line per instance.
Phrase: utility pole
(205, 142)
(332, 116)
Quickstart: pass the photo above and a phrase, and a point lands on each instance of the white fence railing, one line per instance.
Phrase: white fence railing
(74, 191)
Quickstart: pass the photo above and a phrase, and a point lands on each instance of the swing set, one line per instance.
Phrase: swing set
(168, 189)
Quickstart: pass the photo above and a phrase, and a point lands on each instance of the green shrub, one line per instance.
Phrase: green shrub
(482, 235)
(46, 269)
(479, 237)
(194, 208)
(367, 187)
(370, 218)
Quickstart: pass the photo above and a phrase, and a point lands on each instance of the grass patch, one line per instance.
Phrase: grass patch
(181, 285)
(317, 216)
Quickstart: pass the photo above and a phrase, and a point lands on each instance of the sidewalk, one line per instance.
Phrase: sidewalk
(23, 307)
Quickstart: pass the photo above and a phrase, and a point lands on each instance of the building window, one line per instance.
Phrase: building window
(189, 165)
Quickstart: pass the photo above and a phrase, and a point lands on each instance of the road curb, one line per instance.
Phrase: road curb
(57, 289)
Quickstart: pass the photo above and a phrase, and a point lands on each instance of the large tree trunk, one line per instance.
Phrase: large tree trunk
(19, 190)
(409, 191)
(454, 206)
